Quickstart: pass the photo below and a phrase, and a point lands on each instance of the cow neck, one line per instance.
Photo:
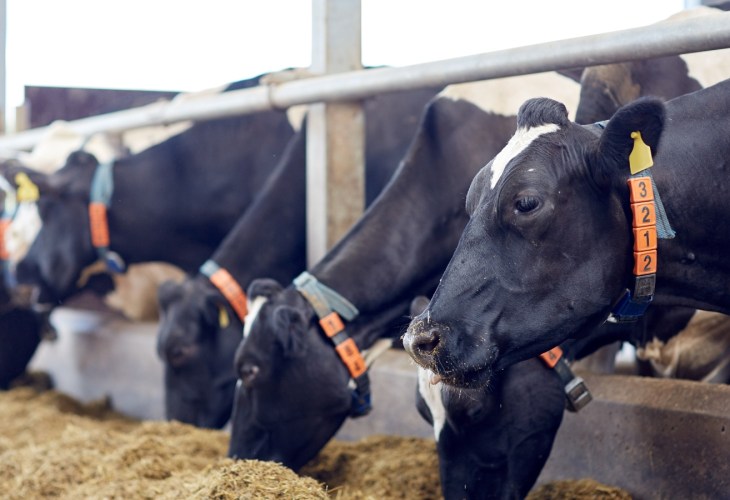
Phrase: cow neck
(227, 285)
(255, 246)
(102, 189)
(331, 309)
(150, 215)
(647, 215)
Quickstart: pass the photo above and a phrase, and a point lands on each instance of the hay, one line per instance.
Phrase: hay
(581, 489)
(378, 467)
(53, 446)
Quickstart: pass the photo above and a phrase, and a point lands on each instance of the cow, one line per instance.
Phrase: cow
(199, 330)
(172, 202)
(548, 252)
(493, 441)
(294, 390)
(21, 331)
(134, 292)
(605, 88)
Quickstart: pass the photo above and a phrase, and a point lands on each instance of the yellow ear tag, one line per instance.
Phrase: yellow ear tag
(27, 191)
(223, 319)
(640, 157)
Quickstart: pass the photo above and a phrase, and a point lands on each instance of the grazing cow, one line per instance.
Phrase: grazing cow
(172, 202)
(493, 441)
(549, 251)
(195, 344)
(21, 329)
(134, 292)
(287, 405)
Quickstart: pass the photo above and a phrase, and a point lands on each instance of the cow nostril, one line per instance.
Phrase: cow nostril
(178, 355)
(424, 341)
(428, 341)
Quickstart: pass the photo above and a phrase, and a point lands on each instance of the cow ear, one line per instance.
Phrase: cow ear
(168, 292)
(418, 305)
(646, 116)
(81, 159)
(215, 312)
(13, 170)
(476, 188)
(263, 287)
(290, 330)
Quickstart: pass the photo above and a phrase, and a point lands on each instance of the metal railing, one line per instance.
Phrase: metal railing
(662, 39)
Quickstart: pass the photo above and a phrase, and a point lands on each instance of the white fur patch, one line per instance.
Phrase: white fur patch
(505, 95)
(23, 229)
(518, 143)
(254, 307)
(431, 394)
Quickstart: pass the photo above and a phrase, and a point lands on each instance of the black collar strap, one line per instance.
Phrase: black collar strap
(646, 207)
(331, 308)
(102, 187)
(577, 394)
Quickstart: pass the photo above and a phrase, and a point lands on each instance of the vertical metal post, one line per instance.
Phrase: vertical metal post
(335, 131)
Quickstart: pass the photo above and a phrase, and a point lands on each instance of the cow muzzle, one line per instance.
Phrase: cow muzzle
(422, 341)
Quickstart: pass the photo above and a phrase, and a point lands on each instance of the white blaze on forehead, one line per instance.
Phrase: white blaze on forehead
(23, 229)
(431, 394)
(254, 307)
(518, 143)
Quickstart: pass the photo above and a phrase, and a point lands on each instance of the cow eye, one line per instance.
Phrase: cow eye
(248, 374)
(526, 204)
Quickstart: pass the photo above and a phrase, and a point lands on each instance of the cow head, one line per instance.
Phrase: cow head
(197, 337)
(492, 441)
(547, 250)
(292, 394)
(61, 244)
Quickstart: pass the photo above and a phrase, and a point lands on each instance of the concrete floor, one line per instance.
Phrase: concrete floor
(655, 438)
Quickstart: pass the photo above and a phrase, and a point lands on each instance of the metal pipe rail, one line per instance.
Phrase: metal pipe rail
(662, 39)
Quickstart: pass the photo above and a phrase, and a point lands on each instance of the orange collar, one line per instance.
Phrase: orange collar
(102, 187)
(228, 286)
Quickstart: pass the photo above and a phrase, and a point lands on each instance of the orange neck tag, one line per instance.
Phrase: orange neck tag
(99, 225)
(4, 225)
(552, 356)
(351, 357)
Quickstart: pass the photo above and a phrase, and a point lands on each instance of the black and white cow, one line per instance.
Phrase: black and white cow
(196, 347)
(294, 391)
(549, 248)
(172, 202)
(493, 441)
(21, 330)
